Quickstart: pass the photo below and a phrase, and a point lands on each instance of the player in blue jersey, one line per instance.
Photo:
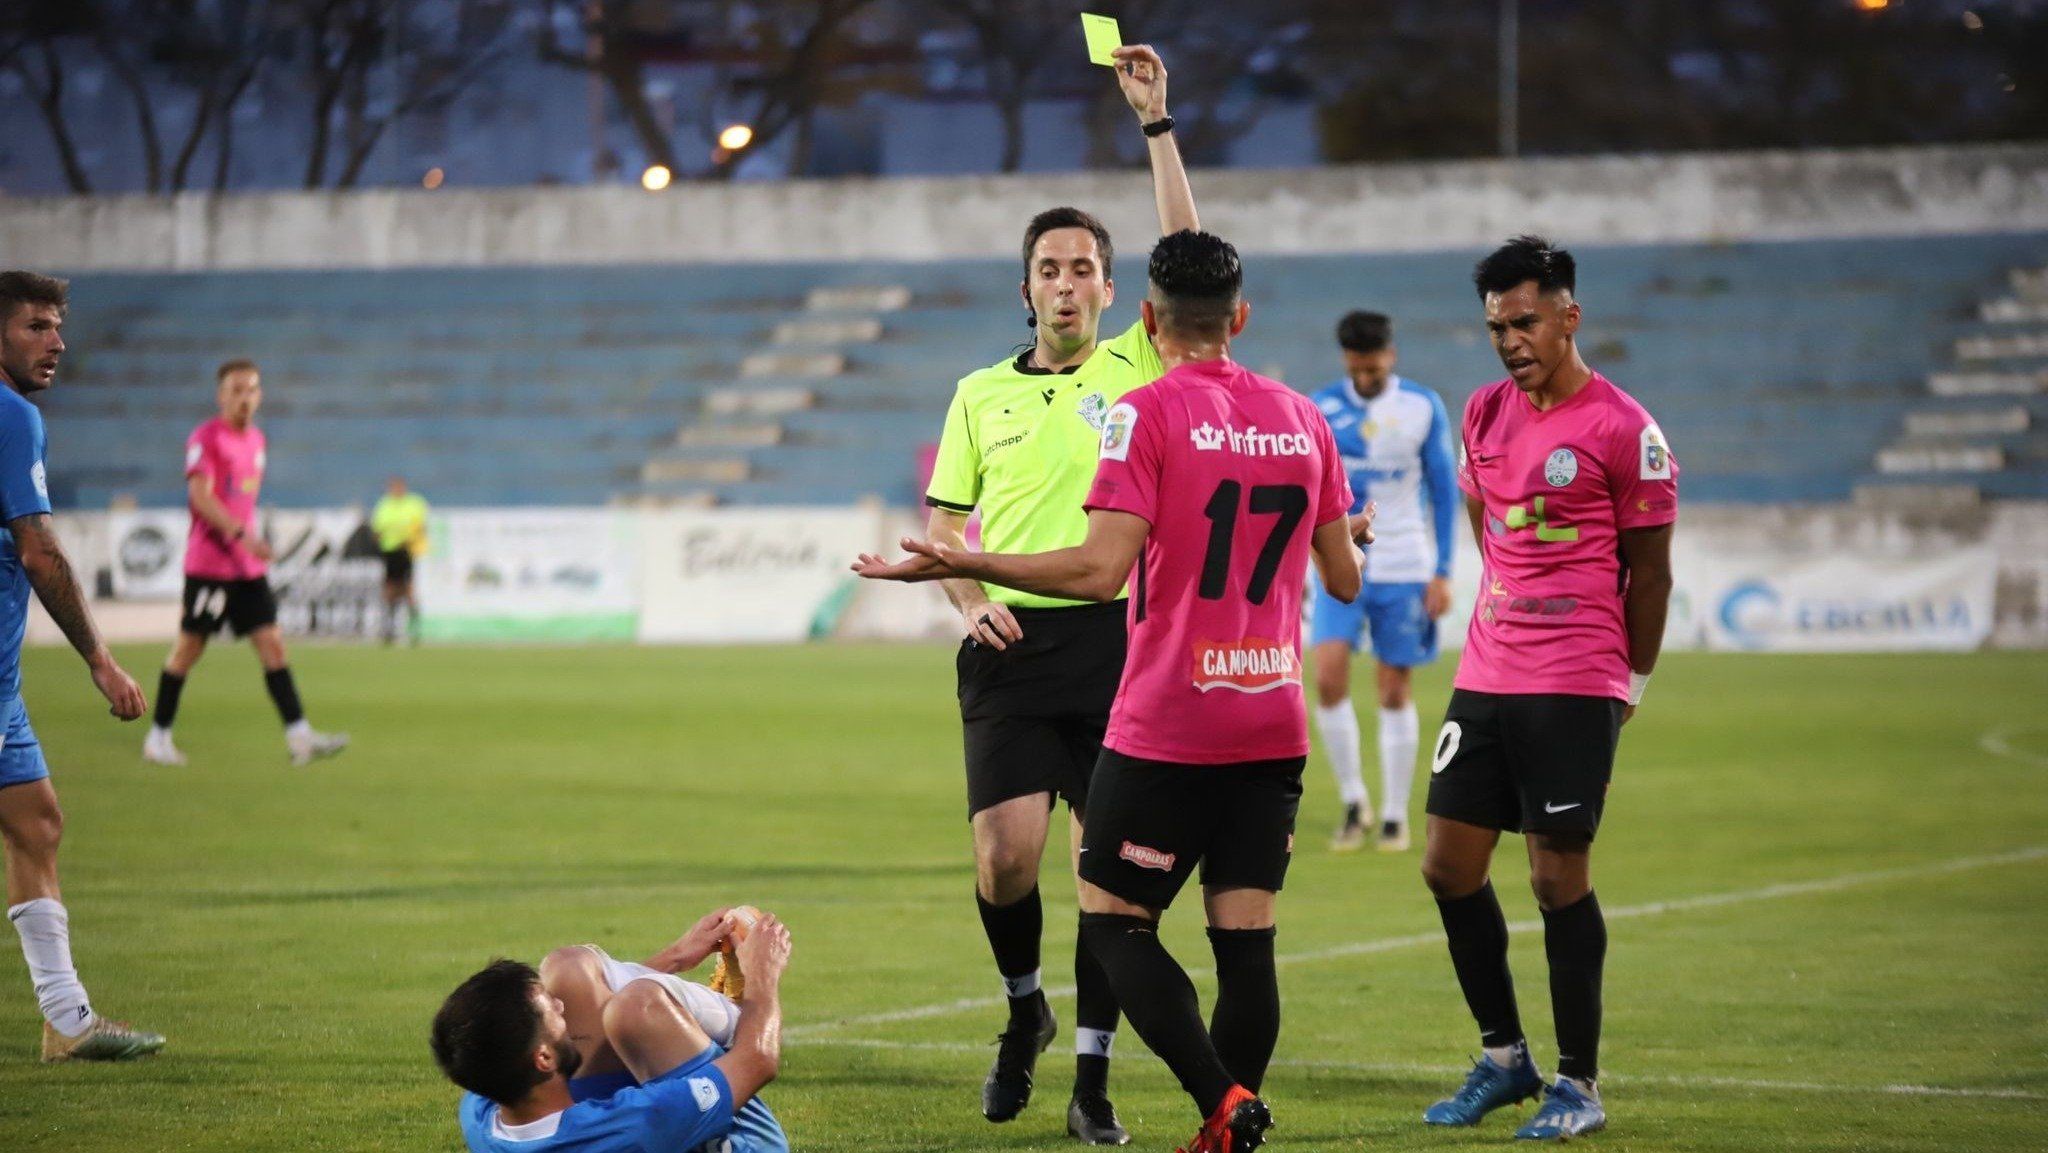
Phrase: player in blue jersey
(594, 1056)
(1396, 442)
(31, 345)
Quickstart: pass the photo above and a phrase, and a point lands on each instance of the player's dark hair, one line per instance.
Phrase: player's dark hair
(1196, 282)
(1364, 332)
(485, 1033)
(1523, 259)
(229, 367)
(18, 288)
(1055, 218)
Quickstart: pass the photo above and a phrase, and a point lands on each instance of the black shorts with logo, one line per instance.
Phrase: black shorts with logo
(1032, 714)
(1149, 822)
(397, 566)
(244, 606)
(1525, 763)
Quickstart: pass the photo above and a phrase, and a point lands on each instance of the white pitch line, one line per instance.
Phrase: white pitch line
(1416, 940)
(1606, 1078)
(1998, 742)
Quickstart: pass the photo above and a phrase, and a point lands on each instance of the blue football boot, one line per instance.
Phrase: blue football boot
(1488, 1087)
(1567, 1111)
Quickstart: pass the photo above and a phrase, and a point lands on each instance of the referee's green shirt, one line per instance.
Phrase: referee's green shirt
(1021, 445)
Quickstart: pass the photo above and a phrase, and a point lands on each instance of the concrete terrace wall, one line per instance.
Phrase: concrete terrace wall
(1381, 208)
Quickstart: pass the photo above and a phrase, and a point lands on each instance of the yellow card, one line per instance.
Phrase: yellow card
(1103, 38)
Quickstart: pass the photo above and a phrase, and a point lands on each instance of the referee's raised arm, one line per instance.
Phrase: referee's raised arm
(1142, 76)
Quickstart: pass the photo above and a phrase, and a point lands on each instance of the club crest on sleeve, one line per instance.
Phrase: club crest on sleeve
(705, 1092)
(1117, 426)
(1656, 454)
(40, 478)
(192, 454)
(1562, 468)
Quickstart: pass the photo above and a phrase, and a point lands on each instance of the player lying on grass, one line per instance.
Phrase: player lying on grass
(604, 1056)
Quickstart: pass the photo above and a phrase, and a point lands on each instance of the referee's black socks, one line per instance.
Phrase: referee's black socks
(168, 686)
(1159, 1002)
(1246, 1021)
(1478, 934)
(1013, 933)
(1575, 941)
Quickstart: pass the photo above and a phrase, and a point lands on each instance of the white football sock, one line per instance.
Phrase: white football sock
(45, 930)
(299, 730)
(716, 1013)
(1400, 730)
(1338, 725)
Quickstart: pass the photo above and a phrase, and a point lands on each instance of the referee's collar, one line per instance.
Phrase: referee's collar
(1023, 364)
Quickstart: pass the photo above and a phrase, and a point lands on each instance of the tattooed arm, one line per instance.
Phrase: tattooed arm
(49, 573)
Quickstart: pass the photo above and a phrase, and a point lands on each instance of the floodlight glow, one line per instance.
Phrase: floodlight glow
(655, 178)
(735, 137)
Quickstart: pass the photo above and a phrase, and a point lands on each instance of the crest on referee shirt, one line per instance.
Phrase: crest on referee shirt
(1562, 468)
(1093, 409)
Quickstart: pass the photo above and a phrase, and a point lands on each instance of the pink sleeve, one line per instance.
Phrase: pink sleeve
(1645, 474)
(199, 457)
(1127, 472)
(1465, 482)
(1336, 497)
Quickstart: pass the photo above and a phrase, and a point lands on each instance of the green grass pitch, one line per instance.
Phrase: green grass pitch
(1825, 880)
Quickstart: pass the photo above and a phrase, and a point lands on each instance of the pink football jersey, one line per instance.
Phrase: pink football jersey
(232, 463)
(1233, 472)
(1559, 487)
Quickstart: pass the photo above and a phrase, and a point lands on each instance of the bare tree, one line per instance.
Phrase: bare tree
(611, 50)
(31, 40)
(213, 50)
(1017, 39)
(375, 62)
(782, 64)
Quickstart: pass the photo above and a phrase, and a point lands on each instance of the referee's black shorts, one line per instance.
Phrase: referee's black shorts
(1032, 715)
(397, 565)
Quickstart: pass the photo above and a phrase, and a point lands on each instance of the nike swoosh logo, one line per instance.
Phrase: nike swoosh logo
(1550, 808)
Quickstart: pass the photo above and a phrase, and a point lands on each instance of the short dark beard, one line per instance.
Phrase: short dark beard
(568, 1058)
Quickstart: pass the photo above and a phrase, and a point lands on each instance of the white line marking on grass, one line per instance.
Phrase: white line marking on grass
(1416, 940)
(1998, 742)
(1606, 1078)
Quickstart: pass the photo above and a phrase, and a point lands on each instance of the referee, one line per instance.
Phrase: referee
(1037, 674)
(400, 523)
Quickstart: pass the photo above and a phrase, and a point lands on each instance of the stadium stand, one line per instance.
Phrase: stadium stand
(1795, 371)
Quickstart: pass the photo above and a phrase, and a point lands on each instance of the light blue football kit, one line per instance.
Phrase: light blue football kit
(23, 492)
(1397, 452)
(688, 1109)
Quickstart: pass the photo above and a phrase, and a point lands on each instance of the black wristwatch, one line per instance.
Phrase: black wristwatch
(1159, 127)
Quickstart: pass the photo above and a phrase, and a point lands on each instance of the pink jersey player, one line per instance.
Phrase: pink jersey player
(1559, 487)
(232, 463)
(1233, 472)
(1214, 488)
